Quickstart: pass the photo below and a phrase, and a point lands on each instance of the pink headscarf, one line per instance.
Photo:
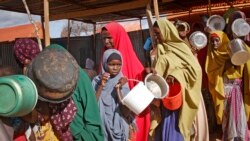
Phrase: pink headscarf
(25, 49)
(132, 67)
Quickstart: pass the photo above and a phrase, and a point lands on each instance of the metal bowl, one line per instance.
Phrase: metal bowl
(216, 22)
(238, 52)
(240, 27)
(198, 40)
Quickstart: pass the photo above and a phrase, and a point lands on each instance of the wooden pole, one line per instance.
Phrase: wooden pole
(209, 4)
(46, 20)
(68, 36)
(156, 8)
(150, 24)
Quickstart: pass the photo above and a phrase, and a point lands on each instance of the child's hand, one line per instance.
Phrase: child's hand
(105, 78)
(123, 80)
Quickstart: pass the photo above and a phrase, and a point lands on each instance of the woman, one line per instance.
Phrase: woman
(225, 85)
(115, 36)
(115, 122)
(176, 61)
(25, 50)
(233, 16)
(67, 108)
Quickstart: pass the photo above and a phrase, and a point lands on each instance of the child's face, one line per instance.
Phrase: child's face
(114, 67)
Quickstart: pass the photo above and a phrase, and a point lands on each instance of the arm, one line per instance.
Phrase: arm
(100, 85)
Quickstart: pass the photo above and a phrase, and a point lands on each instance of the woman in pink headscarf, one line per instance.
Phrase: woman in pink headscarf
(115, 36)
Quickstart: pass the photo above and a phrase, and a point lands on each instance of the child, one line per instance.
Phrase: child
(115, 124)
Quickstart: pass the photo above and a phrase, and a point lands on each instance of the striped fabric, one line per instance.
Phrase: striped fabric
(234, 124)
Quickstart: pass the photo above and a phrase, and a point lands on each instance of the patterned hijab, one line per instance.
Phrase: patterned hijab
(176, 59)
(115, 127)
(25, 49)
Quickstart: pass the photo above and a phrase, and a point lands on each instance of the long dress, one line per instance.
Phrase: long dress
(115, 126)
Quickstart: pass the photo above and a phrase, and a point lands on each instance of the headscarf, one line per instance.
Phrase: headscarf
(115, 126)
(62, 115)
(123, 44)
(176, 59)
(215, 62)
(25, 49)
(133, 69)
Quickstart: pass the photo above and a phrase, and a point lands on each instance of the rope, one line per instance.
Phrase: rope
(134, 80)
(32, 21)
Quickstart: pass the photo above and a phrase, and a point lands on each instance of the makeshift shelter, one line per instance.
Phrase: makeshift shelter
(96, 11)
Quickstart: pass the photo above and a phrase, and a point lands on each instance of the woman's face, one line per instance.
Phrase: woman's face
(183, 34)
(182, 31)
(107, 39)
(26, 62)
(215, 42)
(114, 67)
(157, 34)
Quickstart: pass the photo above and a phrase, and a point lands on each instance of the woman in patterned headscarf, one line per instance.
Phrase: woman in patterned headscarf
(175, 61)
(225, 85)
(25, 50)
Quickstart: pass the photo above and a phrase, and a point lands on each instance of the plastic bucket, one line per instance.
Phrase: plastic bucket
(157, 85)
(174, 99)
(240, 27)
(216, 22)
(138, 99)
(238, 52)
(18, 96)
(198, 40)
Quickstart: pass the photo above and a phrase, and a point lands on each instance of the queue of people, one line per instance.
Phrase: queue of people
(72, 106)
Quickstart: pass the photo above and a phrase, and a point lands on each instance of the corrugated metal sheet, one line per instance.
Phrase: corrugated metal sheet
(80, 47)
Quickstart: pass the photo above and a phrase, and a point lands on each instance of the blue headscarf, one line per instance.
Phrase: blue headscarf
(115, 126)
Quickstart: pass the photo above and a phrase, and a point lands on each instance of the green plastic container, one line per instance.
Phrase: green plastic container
(18, 95)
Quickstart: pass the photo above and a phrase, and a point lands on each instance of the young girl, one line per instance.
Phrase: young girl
(115, 37)
(115, 124)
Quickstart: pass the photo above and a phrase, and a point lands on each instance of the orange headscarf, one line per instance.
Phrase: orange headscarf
(215, 63)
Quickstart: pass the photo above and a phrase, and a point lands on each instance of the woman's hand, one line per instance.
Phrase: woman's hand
(170, 79)
(150, 70)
